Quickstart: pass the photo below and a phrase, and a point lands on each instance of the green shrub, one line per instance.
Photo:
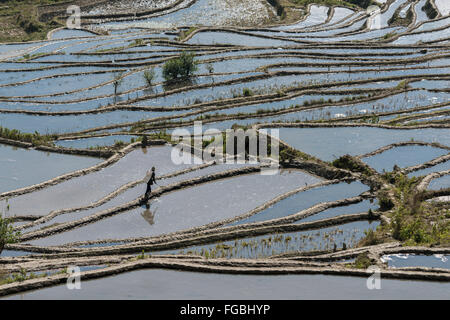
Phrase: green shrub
(185, 33)
(181, 67)
(144, 140)
(7, 232)
(247, 92)
(149, 75)
(402, 85)
(370, 238)
(350, 163)
(363, 261)
(385, 201)
(29, 23)
(118, 143)
(137, 43)
(389, 35)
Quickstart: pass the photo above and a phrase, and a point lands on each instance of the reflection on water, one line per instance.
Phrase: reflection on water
(148, 215)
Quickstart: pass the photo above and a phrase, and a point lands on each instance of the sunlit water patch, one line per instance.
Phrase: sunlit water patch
(413, 260)
(437, 168)
(360, 207)
(404, 156)
(83, 190)
(440, 183)
(306, 199)
(331, 143)
(187, 208)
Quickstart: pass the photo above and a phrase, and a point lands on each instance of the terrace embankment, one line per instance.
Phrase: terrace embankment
(330, 70)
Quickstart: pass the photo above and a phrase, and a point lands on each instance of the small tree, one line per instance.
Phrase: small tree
(144, 141)
(149, 75)
(181, 67)
(7, 232)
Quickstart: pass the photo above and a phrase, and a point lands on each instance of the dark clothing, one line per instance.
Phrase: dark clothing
(152, 179)
(149, 190)
(149, 185)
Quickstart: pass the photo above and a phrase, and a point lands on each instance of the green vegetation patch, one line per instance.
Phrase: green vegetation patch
(7, 232)
(19, 20)
(34, 138)
(351, 163)
(182, 67)
(413, 221)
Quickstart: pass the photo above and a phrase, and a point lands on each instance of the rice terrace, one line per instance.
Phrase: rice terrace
(300, 149)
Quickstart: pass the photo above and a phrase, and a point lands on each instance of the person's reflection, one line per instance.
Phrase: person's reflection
(148, 215)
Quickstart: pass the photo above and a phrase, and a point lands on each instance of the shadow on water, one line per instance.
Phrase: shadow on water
(179, 83)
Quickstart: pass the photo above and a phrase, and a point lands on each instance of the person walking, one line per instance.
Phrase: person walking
(149, 184)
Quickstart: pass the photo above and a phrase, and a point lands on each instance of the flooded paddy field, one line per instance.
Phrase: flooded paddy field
(411, 260)
(167, 284)
(354, 109)
(22, 167)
